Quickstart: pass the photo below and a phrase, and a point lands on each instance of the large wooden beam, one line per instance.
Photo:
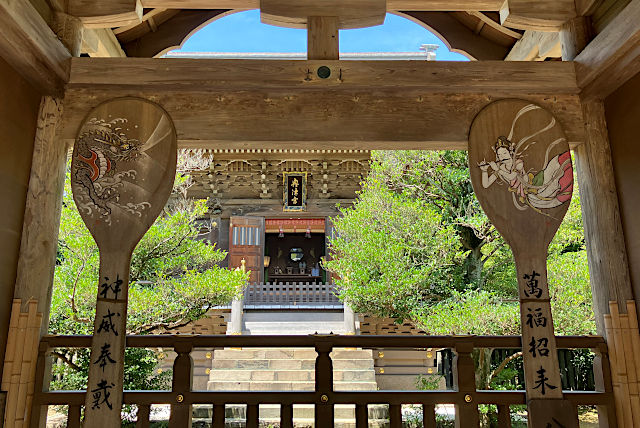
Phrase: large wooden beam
(106, 14)
(285, 104)
(296, 13)
(101, 43)
(31, 47)
(535, 46)
(436, 5)
(540, 15)
(613, 56)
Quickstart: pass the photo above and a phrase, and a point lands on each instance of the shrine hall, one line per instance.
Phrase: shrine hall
(96, 106)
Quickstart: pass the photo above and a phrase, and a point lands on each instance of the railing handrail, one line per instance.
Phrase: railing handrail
(465, 396)
(337, 341)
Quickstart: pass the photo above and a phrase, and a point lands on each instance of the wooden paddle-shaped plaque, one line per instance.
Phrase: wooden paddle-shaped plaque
(521, 170)
(122, 172)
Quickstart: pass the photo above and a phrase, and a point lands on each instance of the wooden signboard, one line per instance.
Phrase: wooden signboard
(122, 172)
(521, 171)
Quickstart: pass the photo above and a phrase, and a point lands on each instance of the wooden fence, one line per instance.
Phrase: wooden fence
(464, 395)
(294, 295)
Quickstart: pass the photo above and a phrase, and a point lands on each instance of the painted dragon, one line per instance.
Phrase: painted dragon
(99, 150)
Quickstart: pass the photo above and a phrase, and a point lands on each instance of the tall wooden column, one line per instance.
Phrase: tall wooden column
(607, 254)
(42, 211)
(613, 300)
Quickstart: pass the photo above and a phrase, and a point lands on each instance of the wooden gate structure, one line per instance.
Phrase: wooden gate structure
(590, 85)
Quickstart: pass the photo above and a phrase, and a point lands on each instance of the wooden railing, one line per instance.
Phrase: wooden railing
(464, 397)
(291, 295)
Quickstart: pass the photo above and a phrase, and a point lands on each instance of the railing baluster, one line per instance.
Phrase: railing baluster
(142, 417)
(218, 416)
(324, 385)
(362, 416)
(429, 416)
(504, 416)
(43, 370)
(464, 381)
(73, 417)
(286, 416)
(395, 416)
(252, 416)
(181, 384)
(602, 377)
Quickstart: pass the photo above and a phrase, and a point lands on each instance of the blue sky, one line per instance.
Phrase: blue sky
(243, 32)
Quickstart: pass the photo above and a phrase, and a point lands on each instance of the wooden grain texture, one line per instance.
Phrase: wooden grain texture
(535, 46)
(362, 101)
(295, 13)
(101, 42)
(540, 15)
(106, 14)
(321, 120)
(575, 35)
(31, 47)
(208, 74)
(612, 57)
(323, 41)
(624, 343)
(122, 172)
(521, 172)
(436, 5)
(606, 250)
(39, 243)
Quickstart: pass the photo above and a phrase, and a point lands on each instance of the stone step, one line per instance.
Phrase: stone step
(286, 375)
(229, 385)
(288, 364)
(289, 353)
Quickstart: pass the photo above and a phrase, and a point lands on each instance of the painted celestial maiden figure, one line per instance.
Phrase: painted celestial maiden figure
(546, 188)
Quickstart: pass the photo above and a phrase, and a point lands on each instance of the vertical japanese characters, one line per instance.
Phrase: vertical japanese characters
(122, 171)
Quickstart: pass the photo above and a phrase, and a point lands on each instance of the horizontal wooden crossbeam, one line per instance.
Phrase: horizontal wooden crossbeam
(244, 104)
(433, 5)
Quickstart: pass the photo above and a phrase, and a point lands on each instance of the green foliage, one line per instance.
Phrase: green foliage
(417, 245)
(428, 382)
(170, 265)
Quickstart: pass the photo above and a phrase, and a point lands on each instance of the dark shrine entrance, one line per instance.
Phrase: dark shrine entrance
(293, 250)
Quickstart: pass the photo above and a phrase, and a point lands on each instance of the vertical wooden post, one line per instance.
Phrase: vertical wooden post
(181, 384)
(464, 381)
(324, 385)
(322, 37)
(39, 242)
(603, 382)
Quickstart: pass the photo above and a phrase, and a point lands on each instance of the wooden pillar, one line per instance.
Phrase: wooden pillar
(606, 250)
(322, 37)
(613, 300)
(39, 242)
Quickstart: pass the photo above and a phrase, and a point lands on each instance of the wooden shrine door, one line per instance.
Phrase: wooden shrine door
(246, 241)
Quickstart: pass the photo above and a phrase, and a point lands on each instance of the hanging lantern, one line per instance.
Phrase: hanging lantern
(281, 232)
(308, 233)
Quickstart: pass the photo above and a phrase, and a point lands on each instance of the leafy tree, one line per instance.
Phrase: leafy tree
(416, 245)
(172, 264)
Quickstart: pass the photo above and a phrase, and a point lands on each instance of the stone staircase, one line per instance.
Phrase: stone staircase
(288, 369)
(293, 369)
